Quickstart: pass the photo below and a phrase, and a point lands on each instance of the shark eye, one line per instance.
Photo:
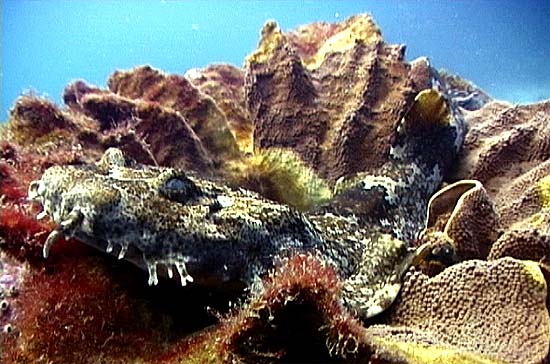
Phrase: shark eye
(175, 185)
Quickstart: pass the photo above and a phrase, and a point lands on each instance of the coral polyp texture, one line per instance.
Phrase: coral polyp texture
(327, 202)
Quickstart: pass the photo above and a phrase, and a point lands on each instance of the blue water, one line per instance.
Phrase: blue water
(501, 45)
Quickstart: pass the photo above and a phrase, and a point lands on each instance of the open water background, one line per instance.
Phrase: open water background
(501, 45)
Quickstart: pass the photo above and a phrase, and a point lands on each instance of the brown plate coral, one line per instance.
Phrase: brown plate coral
(408, 213)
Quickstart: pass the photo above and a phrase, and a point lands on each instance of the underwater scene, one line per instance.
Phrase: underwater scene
(275, 182)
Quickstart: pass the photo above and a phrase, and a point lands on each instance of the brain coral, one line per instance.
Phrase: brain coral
(475, 311)
(503, 143)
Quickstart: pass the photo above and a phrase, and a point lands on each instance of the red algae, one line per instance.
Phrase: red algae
(10, 187)
(23, 235)
(72, 312)
(292, 319)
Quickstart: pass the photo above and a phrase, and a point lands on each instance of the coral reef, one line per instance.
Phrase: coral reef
(465, 214)
(328, 119)
(225, 84)
(468, 96)
(337, 126)
(450, 312)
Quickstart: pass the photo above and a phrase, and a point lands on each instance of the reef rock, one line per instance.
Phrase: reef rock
(336, 103)
(225, 84)
(177, 93)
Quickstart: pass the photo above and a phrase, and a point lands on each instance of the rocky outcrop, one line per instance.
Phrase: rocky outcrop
(336, 107)
(225, 85)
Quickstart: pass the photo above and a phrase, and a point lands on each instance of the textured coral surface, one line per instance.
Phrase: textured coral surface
(310, 109)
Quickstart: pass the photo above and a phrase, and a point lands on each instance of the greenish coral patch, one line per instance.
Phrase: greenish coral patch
(281, 175)
(415, 353)
(543, 188)
(357, 29)
(272, 38)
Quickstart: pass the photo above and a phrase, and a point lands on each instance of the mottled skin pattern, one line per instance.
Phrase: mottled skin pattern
(164, 218)
(172, 220)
